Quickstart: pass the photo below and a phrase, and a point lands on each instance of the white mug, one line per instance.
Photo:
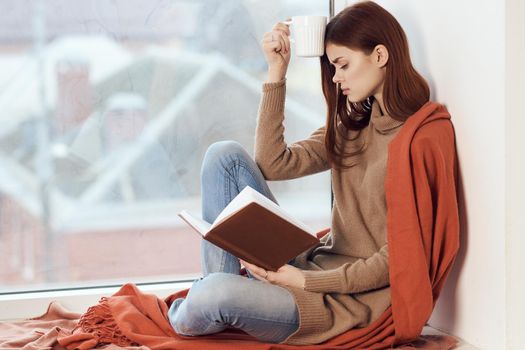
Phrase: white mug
(308, 35)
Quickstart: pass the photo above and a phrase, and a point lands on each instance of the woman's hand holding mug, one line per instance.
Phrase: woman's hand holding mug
(276, 48)
(309, 34)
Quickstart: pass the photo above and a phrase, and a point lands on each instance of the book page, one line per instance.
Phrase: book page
(249, 195)
(197, 224)
(244, 198)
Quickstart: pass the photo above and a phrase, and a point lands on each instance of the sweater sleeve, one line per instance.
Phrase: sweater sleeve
(276, 159)
(360, 276)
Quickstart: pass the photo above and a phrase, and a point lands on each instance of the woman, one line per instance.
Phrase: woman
(371, 90)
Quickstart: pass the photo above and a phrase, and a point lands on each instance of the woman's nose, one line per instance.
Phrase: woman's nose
(336, 79)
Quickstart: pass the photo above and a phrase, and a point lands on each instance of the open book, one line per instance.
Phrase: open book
(257, 230)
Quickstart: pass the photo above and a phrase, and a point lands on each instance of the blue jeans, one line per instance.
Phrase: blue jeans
(223, 298)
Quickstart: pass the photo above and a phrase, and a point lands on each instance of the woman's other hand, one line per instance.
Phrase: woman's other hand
(276, 48)
(287, 275)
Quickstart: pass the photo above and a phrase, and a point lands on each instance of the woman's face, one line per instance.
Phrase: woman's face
(359, 75)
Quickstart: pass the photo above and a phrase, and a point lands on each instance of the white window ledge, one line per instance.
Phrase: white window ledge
(18, 306)
(25, 305)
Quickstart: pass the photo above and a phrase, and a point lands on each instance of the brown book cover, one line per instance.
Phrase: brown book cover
(257, 231)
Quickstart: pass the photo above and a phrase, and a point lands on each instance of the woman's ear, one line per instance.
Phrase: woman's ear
(380, 55)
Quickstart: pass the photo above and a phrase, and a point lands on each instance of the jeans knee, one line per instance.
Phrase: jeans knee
(205, 310)
(175, 319)
(218, 153)
(181, 327)
(192, 316)
(213, 294)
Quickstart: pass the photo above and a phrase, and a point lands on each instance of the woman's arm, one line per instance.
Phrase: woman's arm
(360, 276)
(276, 159)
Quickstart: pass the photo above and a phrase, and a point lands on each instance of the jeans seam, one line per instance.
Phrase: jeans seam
(203, 332)
(270, 320)
(227, 195)
(228, 170)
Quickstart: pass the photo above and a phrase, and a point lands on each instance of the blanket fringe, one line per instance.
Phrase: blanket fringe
(99, 321)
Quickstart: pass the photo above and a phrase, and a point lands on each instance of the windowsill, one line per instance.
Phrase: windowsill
(26, 305)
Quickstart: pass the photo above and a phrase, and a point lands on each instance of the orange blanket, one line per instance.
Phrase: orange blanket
(41, 333)
(423, 217)
(423, 238)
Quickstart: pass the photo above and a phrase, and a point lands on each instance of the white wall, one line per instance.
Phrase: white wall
(515, 185)
(459, 46)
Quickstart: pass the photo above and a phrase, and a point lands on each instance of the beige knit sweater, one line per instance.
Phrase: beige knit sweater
(347, 282)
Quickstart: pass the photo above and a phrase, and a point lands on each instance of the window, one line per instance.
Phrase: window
(106, 111)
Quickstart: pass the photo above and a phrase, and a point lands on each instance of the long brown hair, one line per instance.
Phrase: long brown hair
(363, 26)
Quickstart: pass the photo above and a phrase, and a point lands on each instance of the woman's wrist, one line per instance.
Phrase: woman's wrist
(276, 74)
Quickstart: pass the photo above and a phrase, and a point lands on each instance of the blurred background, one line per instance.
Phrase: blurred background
(106, 111)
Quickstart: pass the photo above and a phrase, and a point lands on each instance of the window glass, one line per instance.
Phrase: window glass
(106, 111)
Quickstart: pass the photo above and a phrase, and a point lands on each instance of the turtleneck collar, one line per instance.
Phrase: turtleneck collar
(382, 122)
